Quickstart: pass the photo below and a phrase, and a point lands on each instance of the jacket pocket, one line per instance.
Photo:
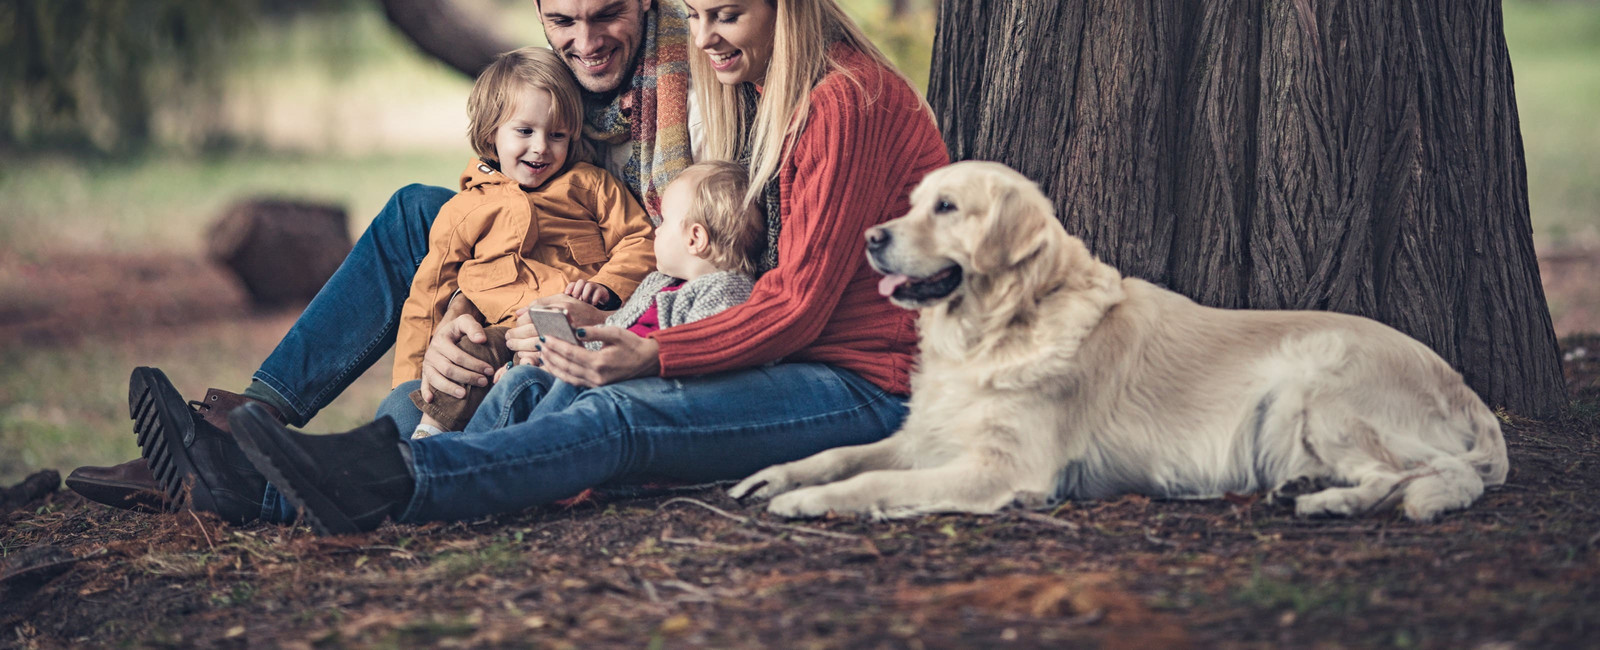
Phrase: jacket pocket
(497, 287)
(587, 249)
(489, 274)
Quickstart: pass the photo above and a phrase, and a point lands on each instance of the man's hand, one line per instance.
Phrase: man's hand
(446, 367)
(625, 356)
(593, 293)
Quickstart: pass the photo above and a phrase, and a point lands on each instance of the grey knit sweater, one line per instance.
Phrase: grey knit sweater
(701, 297)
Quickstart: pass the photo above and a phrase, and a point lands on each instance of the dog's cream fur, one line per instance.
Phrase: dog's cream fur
(1047, 375)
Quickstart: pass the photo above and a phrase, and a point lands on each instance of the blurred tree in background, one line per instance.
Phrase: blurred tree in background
(113, 76)
(96, 72)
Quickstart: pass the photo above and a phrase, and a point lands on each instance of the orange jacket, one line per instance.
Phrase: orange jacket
(503, 247)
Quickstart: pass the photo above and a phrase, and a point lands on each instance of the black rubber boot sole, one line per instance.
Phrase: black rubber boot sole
(164, 426)
(268, 446)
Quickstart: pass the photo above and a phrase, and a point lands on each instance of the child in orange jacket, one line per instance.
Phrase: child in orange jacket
(533, 218)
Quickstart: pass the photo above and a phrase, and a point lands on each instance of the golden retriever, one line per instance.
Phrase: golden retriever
(1046, 375)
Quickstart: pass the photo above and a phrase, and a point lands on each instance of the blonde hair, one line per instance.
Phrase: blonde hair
(494, 98)
(735, 228)
(804, 32)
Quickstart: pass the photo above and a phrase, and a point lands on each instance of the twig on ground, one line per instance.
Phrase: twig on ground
(1150, 536)
(202, 526)
(363, 549)
(699, 593)
(689, 541)
(751, 520)
(1094, 616)
(1047, 520)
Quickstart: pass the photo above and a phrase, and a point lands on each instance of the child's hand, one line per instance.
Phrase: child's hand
(593, 293)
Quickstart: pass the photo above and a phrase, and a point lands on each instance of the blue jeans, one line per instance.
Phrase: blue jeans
(535, 440)
(351, 322)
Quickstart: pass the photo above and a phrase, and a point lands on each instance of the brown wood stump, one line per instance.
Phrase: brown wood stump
(282, 250)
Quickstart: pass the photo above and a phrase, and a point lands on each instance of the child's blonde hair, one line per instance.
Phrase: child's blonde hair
(494, 97)
(736, 229)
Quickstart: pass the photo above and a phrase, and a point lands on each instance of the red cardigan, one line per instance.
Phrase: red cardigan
(864, 147)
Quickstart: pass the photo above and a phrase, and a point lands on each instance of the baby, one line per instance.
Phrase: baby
(706, 248)
(533, 219)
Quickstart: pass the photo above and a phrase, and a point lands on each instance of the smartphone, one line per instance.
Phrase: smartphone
(552, 324)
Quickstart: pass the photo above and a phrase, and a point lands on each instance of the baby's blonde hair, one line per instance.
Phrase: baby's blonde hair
(735, 228)
(494, 97)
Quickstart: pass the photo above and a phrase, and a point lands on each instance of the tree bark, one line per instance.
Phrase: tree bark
(448, 33)
(1362, 157)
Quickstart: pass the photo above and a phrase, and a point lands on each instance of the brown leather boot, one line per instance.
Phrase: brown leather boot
(130, 485)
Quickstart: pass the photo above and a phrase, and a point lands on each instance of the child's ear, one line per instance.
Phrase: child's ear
(698, 240)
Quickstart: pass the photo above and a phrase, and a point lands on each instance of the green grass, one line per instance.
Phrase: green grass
(165, 202)
(61, 407)
(1555, 57)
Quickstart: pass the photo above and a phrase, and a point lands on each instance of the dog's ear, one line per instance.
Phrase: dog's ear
(1013, 227)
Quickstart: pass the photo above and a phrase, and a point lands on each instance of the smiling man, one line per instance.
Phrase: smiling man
(631, 58)
(598, 39)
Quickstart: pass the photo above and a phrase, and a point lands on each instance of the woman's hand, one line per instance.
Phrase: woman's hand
(581, 314)
(523, 341)
(625, 356)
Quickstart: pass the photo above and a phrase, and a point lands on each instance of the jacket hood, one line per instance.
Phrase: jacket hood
(481, 172)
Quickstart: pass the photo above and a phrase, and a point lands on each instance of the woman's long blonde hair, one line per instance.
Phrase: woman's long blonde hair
(805, 31)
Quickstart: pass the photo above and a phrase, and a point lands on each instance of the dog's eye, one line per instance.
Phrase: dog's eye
(943, 207)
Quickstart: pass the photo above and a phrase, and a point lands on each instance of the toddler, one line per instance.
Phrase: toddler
(533, 218)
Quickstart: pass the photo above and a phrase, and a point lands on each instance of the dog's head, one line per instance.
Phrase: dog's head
(968, 221)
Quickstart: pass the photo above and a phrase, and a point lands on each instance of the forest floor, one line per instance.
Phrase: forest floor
(691, 568)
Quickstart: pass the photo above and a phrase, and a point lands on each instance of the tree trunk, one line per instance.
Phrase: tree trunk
(1362, 157)
(448, 33)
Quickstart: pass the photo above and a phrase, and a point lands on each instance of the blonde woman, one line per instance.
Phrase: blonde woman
(835, 139)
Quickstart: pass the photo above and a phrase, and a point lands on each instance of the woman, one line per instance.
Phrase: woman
(815, 359)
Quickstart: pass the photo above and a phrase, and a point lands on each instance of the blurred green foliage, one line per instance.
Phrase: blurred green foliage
(94, 72)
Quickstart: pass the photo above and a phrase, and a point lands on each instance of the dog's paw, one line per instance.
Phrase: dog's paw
(764, 484)
(1289, 493)
(1333, 502)
(804, 503)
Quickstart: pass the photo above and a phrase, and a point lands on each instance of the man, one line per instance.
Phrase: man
(640, 118)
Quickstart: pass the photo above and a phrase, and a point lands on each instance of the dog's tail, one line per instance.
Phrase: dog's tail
(1487, 450)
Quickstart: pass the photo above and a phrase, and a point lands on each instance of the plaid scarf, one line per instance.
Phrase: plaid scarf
(771, 202)
(658, 125)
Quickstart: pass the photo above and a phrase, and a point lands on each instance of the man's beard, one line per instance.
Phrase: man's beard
(624, 82)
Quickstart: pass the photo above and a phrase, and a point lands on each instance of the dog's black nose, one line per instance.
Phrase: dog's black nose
(877, 239)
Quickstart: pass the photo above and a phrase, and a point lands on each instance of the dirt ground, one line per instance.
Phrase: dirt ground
(692, 568)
